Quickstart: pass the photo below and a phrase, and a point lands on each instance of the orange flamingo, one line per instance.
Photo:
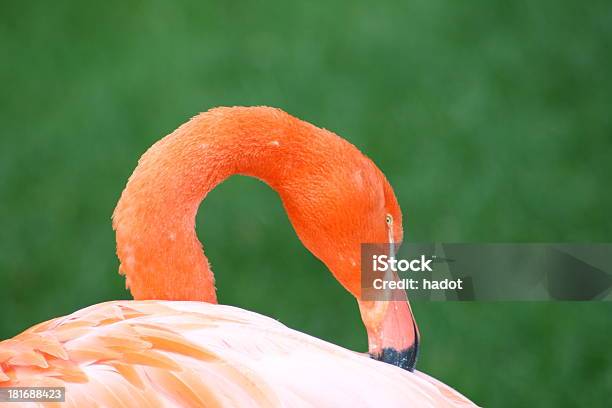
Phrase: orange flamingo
(173, 345)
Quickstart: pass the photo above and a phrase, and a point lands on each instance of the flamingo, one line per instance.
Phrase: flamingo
(174, 345)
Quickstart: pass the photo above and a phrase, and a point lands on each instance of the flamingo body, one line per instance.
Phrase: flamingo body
(195, 354)
(185, 350)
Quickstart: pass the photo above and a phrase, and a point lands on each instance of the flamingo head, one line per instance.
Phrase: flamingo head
(352, 204)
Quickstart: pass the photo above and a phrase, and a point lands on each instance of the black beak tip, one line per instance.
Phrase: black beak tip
(405, 359)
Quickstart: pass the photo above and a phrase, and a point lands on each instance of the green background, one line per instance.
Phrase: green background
(492, 120)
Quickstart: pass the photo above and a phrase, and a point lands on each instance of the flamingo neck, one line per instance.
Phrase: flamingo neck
(159, 251)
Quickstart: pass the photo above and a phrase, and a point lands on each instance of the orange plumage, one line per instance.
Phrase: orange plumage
(177, 350)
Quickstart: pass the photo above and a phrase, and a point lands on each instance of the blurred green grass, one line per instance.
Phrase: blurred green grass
(491, 120)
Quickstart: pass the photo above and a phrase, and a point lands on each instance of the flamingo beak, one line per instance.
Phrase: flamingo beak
(393, 336)
(399, 339)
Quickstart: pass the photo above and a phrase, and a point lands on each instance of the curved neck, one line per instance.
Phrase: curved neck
(155, 218)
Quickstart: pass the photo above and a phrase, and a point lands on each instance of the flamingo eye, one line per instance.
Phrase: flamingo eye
(389, 219)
